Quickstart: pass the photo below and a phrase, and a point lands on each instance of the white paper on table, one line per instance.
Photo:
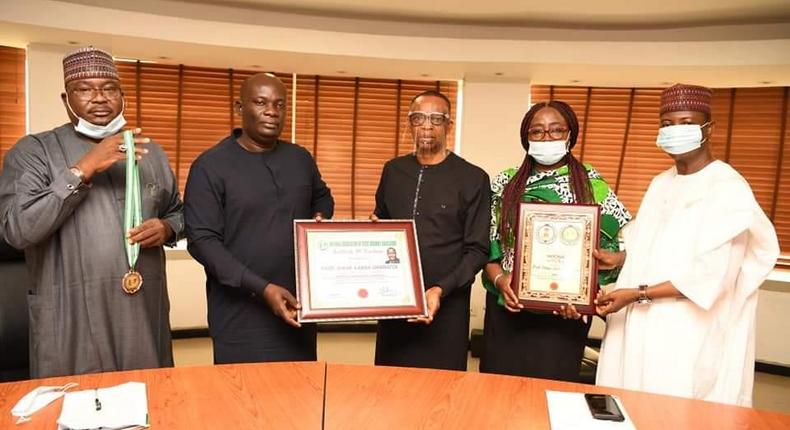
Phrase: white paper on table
(569, 411)
(123, 406)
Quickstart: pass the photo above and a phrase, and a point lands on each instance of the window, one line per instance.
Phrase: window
(12, 98)
(186, 110)
(618, 128)
(352, 126)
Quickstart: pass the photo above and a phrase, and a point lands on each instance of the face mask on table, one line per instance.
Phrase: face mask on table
(37, 399)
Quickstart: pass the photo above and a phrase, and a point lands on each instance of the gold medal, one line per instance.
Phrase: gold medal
(132, 281)
(132, 216)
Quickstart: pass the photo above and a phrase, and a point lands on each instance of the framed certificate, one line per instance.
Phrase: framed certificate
(358, 270)
(553, 263)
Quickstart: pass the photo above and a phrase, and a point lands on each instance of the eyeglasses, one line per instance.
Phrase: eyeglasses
(417, 118)
(90, 93)
(554, 133)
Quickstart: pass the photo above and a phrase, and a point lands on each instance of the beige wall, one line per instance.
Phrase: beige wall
(773, 327)
(773, 324)
(186, 284)
(492, 113)
(45, 84)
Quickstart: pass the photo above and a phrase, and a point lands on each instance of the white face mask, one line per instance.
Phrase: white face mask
(548, 152)
(37, 399)
(98, 132)
(680, 139)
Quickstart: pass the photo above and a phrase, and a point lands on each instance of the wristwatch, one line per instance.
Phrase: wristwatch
(643, 299)
(78, 173)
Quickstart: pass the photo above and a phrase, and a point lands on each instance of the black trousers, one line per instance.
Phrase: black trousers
(443, 344)
(244, 330)
(531, 344)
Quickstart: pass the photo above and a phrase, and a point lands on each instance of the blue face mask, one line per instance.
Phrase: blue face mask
(98, 132)
(680, 139)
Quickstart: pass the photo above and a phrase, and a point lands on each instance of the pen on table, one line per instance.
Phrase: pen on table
(96, 398)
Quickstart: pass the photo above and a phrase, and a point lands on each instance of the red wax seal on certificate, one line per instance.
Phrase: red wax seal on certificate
(362, 293)
(553, 286)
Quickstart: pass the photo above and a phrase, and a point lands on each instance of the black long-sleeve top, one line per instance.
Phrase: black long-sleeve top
(239, 212)
(450, 203)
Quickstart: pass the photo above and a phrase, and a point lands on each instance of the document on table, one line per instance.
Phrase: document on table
(569, 411)
(123, 406)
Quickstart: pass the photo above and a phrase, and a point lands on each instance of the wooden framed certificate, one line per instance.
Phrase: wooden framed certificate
(358, 270)
(553, 263)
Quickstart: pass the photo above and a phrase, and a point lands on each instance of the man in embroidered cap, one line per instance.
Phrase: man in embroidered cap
(62, 201)
(681, 318)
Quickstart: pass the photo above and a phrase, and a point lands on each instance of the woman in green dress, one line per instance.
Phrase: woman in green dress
(518, 341)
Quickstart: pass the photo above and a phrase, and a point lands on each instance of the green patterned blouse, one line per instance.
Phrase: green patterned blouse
(553, 186)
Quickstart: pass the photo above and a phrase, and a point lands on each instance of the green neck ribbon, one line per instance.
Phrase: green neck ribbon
(133, 206)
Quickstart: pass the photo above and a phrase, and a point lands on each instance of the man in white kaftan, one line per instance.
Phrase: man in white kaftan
(705, 234)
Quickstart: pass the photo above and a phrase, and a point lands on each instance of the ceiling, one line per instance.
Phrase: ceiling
(567, 13)
(241, 34)
(585, 20)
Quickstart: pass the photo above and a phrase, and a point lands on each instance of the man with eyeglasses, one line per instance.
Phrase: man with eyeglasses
(62, 198)
(449, 200)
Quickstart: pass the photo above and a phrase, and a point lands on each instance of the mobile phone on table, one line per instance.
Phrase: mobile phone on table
(604, 407)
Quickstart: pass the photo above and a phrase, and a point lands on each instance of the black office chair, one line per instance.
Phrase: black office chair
(14, 284)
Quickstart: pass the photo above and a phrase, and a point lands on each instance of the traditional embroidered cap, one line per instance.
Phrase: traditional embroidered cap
(682, 97)
(87, 63)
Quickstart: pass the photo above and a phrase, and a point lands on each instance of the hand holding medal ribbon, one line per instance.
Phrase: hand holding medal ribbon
(133, 209)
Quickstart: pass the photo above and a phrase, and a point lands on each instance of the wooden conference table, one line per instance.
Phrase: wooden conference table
(336, 396)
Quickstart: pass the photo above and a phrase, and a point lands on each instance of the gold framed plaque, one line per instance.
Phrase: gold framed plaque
(553, 263)
(358, 270)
